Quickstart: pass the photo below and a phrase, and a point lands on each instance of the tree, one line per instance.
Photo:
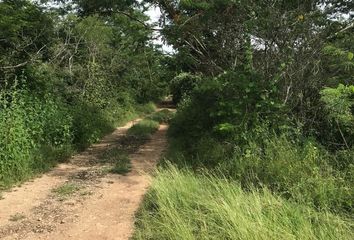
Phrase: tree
(27, 36)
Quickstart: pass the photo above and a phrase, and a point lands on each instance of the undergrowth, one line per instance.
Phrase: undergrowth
(302, 172)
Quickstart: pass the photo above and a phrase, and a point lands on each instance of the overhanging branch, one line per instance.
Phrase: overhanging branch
(138, 20)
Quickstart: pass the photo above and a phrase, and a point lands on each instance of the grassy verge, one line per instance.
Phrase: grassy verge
(183, 205)
(143, 129)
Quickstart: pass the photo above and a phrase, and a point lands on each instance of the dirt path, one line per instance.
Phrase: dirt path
(87, 201)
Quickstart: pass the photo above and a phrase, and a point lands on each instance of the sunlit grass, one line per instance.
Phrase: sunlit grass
(182, 205)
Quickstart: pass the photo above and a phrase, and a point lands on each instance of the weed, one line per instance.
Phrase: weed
(17, 217)
(146, 108)
(66, 190)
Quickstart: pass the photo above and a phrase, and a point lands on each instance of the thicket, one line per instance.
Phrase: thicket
(265, 99)
(69, 75)
(268, 109)
(251, 138)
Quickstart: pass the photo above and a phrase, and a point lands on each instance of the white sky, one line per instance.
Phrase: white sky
(154, 13)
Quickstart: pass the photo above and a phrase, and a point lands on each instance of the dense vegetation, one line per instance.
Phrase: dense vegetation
(69, 75)
(264, 126)
(262, 144)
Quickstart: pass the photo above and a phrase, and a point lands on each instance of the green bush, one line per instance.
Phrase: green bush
(182, 85)
(38, 129)
(15, 143)
(32, 131)
(182, 205)
(90, 123)
(230, 106)
(339, 116)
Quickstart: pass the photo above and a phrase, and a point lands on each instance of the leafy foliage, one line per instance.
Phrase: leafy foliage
(182, 85)
(69, 77)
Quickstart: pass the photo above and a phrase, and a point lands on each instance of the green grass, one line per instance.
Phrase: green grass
(136, 135)
(163, 116)
(66, 190)
(17, 217)
(143, 129)
(300, 171)
(182, 205)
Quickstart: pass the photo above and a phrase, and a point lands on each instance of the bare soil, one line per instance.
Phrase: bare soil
(81, 199)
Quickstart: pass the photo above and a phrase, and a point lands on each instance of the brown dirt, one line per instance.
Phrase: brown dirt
(100, 205)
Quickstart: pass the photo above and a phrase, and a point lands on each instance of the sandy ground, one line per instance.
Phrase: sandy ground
(102, 206)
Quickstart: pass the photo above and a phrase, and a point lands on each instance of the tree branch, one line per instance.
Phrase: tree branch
(138, 20)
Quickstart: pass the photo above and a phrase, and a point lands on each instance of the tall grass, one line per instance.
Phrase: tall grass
(183, 205)
(300, 171)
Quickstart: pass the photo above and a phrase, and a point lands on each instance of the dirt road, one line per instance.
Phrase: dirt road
(80, 200)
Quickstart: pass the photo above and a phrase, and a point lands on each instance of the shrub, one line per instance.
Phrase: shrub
(32, 131)
(15, 142)
(182, 85)
(89, 124)
(339, 108)
(230, 106)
